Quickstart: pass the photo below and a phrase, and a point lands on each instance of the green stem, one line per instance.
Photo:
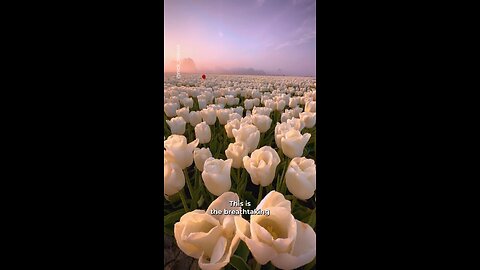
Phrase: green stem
(190, 189)
(184, 201)
(257, 266)
(284, 185)
(259, 194)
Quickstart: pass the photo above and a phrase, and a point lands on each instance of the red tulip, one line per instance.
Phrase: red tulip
(204, 77)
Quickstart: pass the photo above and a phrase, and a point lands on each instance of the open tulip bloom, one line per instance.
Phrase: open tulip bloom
(248, 140)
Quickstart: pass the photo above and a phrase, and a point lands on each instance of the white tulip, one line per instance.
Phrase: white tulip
(294, 142)
(195, 118)
(280, 238)
(179, 151)
(170, 109)
(200, 155)
(173, 178)
(248, 103)
(311, 106)
(262, 122)
(301, 177)
(216, 175)
(239, 110)
(177, 125)
(262, 110)
(209, 116)
(187, 102)
(248, 134)
(309, 119)
(296, 123)
(184, 112)
(234, 116)
(223, 115)
(236, 151)
(203, 132)
(261, 165)
(210, 238)
(232, 124)
(280, 105)
(280, 130)
(202, 103)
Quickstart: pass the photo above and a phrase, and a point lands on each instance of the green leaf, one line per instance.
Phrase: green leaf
(168, 231)
(239, 263)
(173, 217)
(311, 265)
(242, 251)
(312, 219)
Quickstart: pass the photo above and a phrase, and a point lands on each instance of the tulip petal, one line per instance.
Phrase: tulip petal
(304, 249)
(223, 202)
(274, 199)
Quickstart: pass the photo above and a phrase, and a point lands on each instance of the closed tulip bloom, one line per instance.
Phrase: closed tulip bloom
(234, 116)
(173, 178)
(279, 238)
(203, 133)
(236, 151)
(177, 125)
(285, 116)
(262, 110)
(221, 100)
(209, 116)
(248, 134)
(262, 122)
(248, 104)
(256, 102)
(239, 110)
(222, 115)
(185, 113)
(280, 105)
(261, 165)
(296, 111)
(202, 103)
(300, 177)
(170, 109)
(296, 123)
(309, 119)
(195, 118)
(270, 104)
(294, 142)
(293, 102)
(311, 106)
(212, 239)
(200, 155)
(216, 175)
(280, 130)
(230, 100)
(232, 124)
(179, 151)
(187, 102)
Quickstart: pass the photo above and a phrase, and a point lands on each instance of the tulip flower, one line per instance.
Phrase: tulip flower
(311, 106)
(195, 118)
(203, 133)
(232, 124)
(308, 118)
(280, 105)
(296, 123)
(248, 134)
(279, 238)
(184, 112)
(261, 165)
(293, 142)
(170, 109)
(187, 102)
(234, 116)
(280, 130)
(210, 238)
(239, 110)
(262, 122)
(216, 175)
(262, 110)
(177, 125)
(202, 103)
(179, 151)
(209, 116)
(301, 177)
(236, 151)
(223, 115)
(199, 157)
(248, 104)
(173, 178)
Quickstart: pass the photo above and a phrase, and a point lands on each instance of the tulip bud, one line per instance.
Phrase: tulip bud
(177, 125)
(200, 155)
(248, 104)
(236, 151)
(262, 122)
(209, 116)
(202, 103)
(173, 178)
(308, 118)
(170, 109)
(262, 165)
(311, 106)
(195, 118)
(296, 123)
(222, 115)
(203, 133)
(216, 175)
(184, 112)
(293, 143)
(231, 124)
(179, 151)
(248, 134)
(301, 177)
(187, 102)
(239, 110)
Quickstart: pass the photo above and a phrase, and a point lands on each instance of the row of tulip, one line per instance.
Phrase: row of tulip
(223, 145)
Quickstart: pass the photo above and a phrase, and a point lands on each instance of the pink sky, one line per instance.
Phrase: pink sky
(264, 35)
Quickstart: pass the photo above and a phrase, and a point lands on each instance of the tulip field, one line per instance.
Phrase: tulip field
(240, 170)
